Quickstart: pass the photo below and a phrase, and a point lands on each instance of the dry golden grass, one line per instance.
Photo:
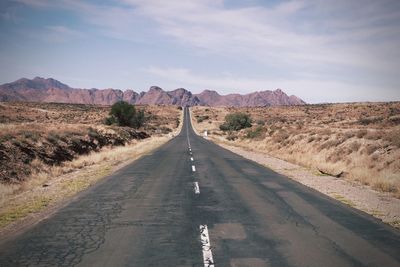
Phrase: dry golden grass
(15, 113)
(20, 112)
(362, 140)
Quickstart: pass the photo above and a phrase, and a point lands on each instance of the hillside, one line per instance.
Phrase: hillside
(35, 136)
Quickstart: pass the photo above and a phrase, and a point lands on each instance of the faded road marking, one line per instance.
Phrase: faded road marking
(206, 247)
(196, 188)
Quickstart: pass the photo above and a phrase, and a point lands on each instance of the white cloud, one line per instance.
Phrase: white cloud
(307, 33)
(262, 33)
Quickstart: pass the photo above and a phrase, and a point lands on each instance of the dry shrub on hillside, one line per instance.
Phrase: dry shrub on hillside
(354, 146)
(53, 146)
(258, 133)
(374, 135)
(325, 131)
(361, 133)
(280, 136)
(393, 137)
(371, 148)
(349, 134)
(370, 120)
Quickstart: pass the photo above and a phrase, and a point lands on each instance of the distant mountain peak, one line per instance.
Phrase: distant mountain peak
(181, 90)
(44, 83)
(50, 90)
(22, 80)
(155, 88)
(208, 91)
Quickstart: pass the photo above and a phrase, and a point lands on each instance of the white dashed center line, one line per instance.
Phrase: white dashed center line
(206, 247)
(196, 188)
(204, 237)
(187, 127)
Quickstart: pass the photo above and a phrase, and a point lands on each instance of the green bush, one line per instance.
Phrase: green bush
(125, 114)
(110, 121)
(202, 118)
(256, 133)
(236, 122)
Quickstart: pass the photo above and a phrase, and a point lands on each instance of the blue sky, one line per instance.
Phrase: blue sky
(319, 50)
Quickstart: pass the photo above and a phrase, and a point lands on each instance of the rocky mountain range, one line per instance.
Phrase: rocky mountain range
(50, 90)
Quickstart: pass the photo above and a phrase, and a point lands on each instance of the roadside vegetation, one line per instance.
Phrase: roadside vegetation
(26, 150)
(358, 142)
(235, 122)
(125, 114)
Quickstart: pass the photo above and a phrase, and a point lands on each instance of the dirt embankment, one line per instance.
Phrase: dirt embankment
(24, 149)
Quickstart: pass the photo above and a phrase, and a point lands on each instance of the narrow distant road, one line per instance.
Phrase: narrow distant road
(192, 203)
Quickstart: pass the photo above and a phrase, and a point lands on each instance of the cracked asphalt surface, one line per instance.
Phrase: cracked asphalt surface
(147, 214)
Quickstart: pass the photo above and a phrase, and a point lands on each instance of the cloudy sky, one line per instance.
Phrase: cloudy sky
(319, 50)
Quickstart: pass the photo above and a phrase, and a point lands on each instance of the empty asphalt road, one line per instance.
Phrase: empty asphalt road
(192, 203)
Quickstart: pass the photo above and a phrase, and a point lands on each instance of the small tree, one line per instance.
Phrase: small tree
(125, 114)
(236, 122)
(138, 119)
